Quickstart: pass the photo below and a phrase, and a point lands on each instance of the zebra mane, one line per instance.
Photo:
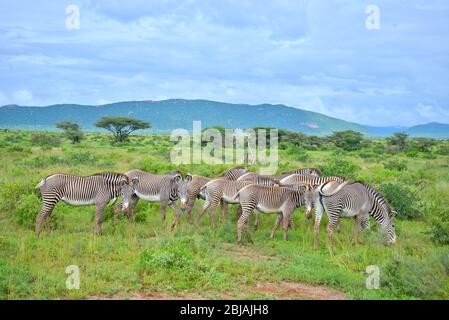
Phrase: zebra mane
(378, 196)
(111, 175)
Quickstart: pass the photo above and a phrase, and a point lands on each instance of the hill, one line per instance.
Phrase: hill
(167, 115)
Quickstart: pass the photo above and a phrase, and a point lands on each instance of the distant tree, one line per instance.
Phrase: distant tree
(399, 139)
(423, 144)
(348, 140)
(121, 127)
(72, 131)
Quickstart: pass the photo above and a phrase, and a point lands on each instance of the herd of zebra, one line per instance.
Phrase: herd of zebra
(253, 192)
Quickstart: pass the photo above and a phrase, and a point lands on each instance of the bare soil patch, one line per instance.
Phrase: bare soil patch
(297, 290)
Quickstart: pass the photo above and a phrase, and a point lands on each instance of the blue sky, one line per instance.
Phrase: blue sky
(315, 55)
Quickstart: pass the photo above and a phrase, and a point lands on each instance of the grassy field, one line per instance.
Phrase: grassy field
(145, 260)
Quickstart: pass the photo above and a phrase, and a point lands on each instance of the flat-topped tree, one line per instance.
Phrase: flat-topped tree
(121, 127)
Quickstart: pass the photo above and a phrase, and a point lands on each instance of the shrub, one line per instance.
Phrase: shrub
(26, 210)
(395, 165)
(415, 277)
(439, 222)
(80, 158)
(403, 200)
(45, 140)
(339, 167)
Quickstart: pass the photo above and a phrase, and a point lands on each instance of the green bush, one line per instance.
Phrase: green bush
(439, 221)
(403, 200)
(395, 165)
(339, 167)
(414, 277)
(81, 158)
(45, 140)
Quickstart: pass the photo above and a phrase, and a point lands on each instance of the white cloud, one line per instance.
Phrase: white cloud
(22, 97)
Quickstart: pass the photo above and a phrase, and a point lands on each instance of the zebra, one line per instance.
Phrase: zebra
(216, 191)
(234, 173)
(310, 182)
(98, 189)
(189, 190)
(153, 188)
(268, 199)
(259, 179)
(353, 199)
(314, 172)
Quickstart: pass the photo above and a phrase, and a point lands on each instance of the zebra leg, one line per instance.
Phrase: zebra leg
(276, 225)
(287, 217)
(132, 208)
(202, 210)
(248, 236)
(178, 215)
(47, 224)
(49, 202)
(256, 221)
(333, 222)
(98, 217)
(316, 227)
(190, 207)
(223, 211)
(164, 205)
(212, 214)
(241, 223)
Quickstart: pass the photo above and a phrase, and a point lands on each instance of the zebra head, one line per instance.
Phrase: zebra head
(184, 191)
(391, 230)
(308, 199)
(127, 191)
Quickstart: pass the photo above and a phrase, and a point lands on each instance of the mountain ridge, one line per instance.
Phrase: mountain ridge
(169, 114)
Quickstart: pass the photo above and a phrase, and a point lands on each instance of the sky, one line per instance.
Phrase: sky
(318, 55)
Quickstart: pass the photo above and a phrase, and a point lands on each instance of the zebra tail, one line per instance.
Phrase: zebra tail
(42, 183)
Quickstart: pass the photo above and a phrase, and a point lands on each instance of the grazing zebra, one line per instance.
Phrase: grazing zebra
(314, 172)
(353, 199)
(234, 174)
(311, 183)
(218, 190)
(268, 199)
(189, 190)
(153, 188)
(97, 189)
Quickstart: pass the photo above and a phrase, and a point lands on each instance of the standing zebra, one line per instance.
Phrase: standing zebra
(189, 190)
(268, 199)
(216, 191)
(311, 182)
(154, 188)
(97, 190)
(353, 199)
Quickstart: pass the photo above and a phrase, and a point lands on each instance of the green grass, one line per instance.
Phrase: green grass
(146, 257)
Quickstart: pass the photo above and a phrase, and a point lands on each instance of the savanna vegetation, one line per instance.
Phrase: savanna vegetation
(145, 259)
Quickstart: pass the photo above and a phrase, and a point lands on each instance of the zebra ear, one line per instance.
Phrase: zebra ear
(178, 178)
(135, 181)
(188, 177)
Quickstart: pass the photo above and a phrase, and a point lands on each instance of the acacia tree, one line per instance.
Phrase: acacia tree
(399, 139)
(71, 130)
(348, 140)
(121, 127)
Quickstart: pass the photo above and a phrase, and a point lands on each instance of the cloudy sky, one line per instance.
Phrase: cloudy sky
(315, 55)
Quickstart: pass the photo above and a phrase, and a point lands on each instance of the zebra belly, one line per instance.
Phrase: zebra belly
(229, 199)
(79, 202)
(149, 197)
(348, 213)
(265, 209)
